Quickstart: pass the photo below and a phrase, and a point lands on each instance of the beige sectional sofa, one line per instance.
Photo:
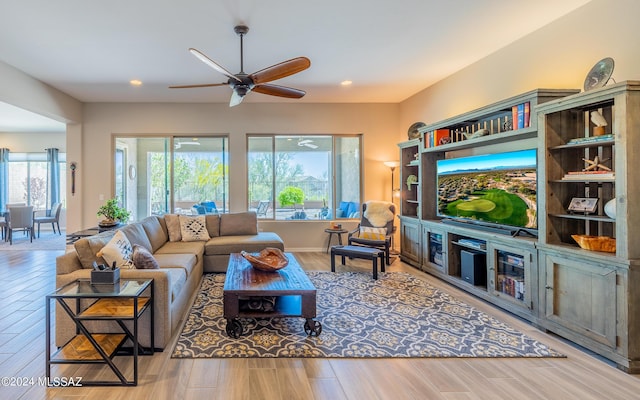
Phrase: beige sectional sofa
(181, 264)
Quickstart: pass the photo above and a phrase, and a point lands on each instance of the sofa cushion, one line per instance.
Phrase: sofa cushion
(244, 223)
(117, 251)
(181, 261)
(136, 234)
(143, 259)
(213, 224)
(193, 228)
(177, 279)
(235, 244)
(195, 248)
(173, 227)
(88, 248)
(156, 234)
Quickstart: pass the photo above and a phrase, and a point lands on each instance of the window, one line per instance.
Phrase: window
(159, 175)
(304, 177)
(29, 175)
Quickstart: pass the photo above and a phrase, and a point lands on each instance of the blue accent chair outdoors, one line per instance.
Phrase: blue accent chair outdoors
(206, 207)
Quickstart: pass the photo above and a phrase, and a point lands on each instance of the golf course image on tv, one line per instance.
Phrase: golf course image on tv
(495, 188)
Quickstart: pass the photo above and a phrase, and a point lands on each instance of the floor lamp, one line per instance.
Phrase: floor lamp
(393, 165)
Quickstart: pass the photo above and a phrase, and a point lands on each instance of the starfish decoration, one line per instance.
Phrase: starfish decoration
(596, 164)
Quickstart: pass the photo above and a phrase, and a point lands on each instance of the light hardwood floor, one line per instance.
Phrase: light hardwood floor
(26, 277)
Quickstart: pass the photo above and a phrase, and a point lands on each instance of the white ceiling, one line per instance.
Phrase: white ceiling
(389, 49)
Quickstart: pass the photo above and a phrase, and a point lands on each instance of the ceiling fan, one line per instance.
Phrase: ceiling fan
(243, 83)
(307, 143)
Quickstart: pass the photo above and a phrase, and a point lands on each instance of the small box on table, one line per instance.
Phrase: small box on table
(105, 277)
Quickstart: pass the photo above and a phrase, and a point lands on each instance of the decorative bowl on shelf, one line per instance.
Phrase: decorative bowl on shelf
(596, 243)
(269, 259)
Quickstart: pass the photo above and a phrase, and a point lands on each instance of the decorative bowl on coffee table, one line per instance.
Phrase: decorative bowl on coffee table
(269, 260)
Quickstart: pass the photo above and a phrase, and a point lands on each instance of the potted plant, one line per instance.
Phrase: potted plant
(113, 213)
(290, 196)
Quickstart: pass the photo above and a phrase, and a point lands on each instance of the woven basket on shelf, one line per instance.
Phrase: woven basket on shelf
(269, 259)
(596, 243)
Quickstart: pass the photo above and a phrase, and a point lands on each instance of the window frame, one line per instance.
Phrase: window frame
(170, 153)
(333, 184)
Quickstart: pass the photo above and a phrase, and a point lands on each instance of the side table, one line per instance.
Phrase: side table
(338, 232)
(126, 300)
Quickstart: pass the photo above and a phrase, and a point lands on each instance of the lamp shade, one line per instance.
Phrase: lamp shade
(392, 164)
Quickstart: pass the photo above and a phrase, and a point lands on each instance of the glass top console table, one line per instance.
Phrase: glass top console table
(82, 301)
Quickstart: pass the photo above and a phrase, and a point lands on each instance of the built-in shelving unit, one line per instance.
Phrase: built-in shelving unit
(591, 297)
(493, 266)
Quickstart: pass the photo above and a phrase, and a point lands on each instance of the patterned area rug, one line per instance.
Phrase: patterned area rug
(398, 315)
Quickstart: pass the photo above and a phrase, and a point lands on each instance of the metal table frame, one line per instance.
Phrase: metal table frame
(82, 289)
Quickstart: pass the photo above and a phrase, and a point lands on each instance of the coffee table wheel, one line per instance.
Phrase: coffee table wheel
(312, 328)
(234, 328)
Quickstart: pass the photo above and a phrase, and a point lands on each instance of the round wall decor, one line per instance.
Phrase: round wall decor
(413, 133)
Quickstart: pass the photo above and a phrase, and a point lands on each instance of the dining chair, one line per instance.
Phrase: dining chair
(4, 220)
(20, 218)
(52, 216)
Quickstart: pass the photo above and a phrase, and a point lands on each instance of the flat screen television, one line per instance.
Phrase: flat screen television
(490, 189)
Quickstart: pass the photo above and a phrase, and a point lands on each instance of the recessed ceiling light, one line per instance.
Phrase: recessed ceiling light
(346, 83)
(135, 82)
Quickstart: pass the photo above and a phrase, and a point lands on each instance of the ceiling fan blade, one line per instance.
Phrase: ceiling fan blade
(281, 70)
(197, 86)
(213, 64)
(235, 99)
(281, 91)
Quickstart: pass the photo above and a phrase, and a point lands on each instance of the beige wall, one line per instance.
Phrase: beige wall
(558, 55)
(377, 122)
(33, 142)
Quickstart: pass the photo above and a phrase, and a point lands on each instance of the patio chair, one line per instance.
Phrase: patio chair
(52, 216)
(20, 218)
(205, 207)
(375, 230)
(263, 207)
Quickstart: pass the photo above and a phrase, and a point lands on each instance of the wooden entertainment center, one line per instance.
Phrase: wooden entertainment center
(589, 297)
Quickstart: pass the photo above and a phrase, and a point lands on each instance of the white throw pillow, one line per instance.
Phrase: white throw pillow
(367, 232)
(193, 228)
(118, 249)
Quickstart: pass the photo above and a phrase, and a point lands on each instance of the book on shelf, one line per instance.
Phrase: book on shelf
(511, 285)
(437, 137)
(591, 139)
(588, 175)
(478, 244)
(521, 115)
(440, 137)
(515, 260)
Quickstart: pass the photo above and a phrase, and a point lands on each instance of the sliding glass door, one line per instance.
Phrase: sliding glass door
(172, 174)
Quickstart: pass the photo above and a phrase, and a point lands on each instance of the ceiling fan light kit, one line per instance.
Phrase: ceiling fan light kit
(242, 83)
